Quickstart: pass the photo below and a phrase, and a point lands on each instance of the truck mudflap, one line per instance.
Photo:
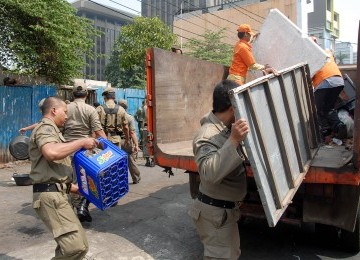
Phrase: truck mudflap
(283, 137)
(333, 205)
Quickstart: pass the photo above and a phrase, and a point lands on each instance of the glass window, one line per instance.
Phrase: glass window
(328, 5)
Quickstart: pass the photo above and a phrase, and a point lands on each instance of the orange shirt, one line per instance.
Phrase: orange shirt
(242, 59)
(330, 69)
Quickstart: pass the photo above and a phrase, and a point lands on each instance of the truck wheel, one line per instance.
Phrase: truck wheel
(351, 240)
(194, 181)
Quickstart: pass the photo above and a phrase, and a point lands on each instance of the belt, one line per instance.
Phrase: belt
(114, 134)
(215, 202)
(51, 187)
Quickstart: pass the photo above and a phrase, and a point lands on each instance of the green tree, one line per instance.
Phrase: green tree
(126, 67)
(210, 48)
(341, 57)
(119, 77)
(44, 38)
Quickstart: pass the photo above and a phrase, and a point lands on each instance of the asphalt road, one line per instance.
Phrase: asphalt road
(150, 222)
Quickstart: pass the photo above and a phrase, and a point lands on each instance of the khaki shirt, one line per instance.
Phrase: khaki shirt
(141, 115)
(110, 128)
(43, 171)
(83, 119)
(131, 123)
(219, 161)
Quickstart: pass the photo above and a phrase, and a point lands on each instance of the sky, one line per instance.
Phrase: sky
(349, 11)
(119, 4)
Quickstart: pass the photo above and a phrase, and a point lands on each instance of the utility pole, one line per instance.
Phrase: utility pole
(181, 16)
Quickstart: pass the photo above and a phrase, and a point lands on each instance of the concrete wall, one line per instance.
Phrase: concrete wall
(230, 18)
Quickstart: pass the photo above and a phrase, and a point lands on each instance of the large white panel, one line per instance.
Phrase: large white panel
(279, 144)
(282, 44)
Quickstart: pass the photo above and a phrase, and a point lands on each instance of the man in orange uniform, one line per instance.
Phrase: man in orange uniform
(328, 83)
(243, 59)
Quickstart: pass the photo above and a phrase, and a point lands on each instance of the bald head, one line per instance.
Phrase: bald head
(51, 102)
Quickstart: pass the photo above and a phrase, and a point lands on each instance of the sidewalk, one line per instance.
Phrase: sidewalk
(150, 222)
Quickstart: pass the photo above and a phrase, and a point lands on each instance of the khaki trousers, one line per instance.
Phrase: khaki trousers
(217, 229)
(133, 169)
(54, 209)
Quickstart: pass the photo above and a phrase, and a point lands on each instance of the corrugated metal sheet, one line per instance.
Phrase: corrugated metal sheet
(38, 93)
(19, 109)
(134, 97)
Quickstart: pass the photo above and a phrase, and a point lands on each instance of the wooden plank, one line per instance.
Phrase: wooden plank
(181, 94)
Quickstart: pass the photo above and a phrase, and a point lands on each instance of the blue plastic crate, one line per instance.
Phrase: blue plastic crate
(103, 176)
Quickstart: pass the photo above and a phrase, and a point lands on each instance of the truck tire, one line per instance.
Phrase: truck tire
(194, 181)
(350, 241)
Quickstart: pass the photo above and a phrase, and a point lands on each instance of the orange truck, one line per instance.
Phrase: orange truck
(291, 176)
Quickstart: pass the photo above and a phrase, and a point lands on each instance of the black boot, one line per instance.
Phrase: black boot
(83, 211)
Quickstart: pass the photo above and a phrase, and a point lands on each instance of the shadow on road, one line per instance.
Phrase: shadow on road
(258, 241)
(156, 223)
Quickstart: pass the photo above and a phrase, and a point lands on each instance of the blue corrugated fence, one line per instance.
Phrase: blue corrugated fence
(20, 108)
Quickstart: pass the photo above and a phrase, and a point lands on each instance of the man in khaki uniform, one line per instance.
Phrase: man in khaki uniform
(133, 147)
(83, 120)
(51, 173)
(141, 117)
(219, 159)
(112, 118)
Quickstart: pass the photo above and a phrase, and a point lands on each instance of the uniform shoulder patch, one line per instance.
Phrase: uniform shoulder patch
(48, 129)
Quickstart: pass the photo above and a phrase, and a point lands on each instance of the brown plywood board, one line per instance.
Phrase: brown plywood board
(182, 93)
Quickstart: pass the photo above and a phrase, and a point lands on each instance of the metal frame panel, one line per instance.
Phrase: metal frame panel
(283, 137)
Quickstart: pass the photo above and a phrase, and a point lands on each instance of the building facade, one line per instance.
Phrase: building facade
(228, 16)
(108, 21)
(167, 10)
(323, 23)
